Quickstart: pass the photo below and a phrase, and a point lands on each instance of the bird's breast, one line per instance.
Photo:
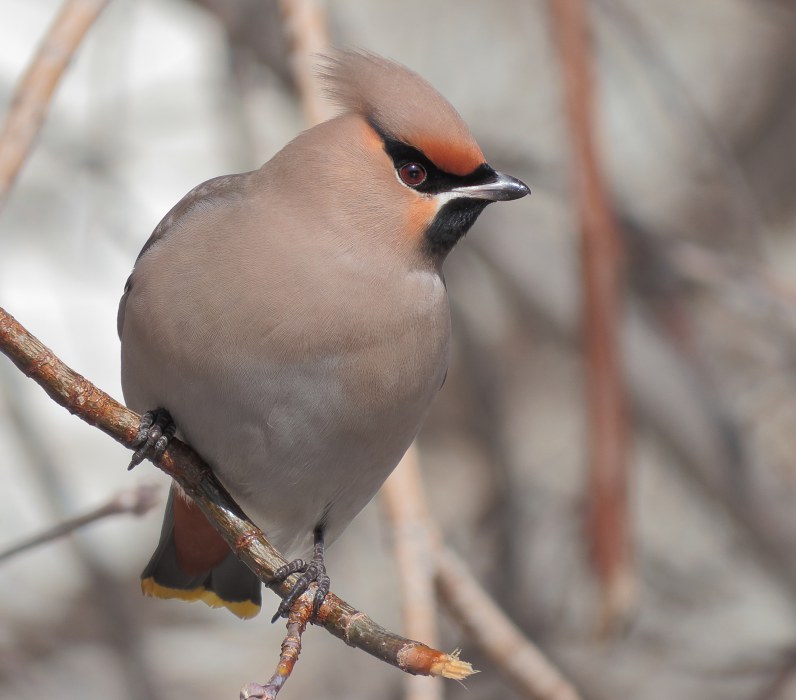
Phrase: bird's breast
(302, 394)
(331, 425)
(384, 354)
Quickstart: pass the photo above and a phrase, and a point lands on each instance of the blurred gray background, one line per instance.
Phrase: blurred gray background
(697, 130)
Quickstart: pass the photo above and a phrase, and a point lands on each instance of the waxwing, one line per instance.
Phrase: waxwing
(293, 324)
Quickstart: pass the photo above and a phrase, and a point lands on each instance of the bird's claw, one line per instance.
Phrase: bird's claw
(154, 433)
(313, 571)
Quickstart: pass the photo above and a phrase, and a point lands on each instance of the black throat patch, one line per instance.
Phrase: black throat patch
(451, 223)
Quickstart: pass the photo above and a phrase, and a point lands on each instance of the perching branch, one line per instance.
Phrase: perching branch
(600, 251)
(35, 91)
(137, 501)
(81, 398)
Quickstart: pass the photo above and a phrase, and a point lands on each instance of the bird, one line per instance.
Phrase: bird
(292, 324)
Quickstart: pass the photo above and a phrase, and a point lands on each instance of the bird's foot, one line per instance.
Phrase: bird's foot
(311, 571)
(156, 430)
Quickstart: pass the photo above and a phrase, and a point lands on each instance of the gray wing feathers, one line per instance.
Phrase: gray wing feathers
(226, 187)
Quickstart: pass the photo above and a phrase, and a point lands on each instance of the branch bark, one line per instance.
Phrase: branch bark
(297, 620)
(81, 398)
(601, 253)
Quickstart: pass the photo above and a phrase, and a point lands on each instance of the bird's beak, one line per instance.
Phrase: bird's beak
(500, 188)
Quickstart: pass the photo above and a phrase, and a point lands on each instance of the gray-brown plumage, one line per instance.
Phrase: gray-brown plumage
(294, 323)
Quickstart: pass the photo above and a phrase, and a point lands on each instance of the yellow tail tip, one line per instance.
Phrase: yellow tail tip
(245, 609)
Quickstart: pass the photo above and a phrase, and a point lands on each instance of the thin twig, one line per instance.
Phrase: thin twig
(137, 501)
(297, 620)
(82, 398)
(415, 541)
(608, 522)
(35, 91)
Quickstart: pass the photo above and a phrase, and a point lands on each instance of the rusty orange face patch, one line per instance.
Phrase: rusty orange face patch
(421, 213)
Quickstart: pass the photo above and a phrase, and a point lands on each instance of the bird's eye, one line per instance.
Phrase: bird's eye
(412, 174)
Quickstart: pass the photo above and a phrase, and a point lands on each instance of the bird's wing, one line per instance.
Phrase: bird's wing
(207, 194)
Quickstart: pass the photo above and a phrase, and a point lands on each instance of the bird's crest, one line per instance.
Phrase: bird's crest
(401, 104)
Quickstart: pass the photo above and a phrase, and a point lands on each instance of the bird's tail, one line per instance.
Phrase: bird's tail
(229, 584)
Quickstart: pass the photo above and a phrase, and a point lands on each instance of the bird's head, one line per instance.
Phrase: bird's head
(419, 177)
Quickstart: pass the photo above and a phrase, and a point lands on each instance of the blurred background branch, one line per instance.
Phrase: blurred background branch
(414, 559)
(601, 261)
(32, 98)
(138, 501)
